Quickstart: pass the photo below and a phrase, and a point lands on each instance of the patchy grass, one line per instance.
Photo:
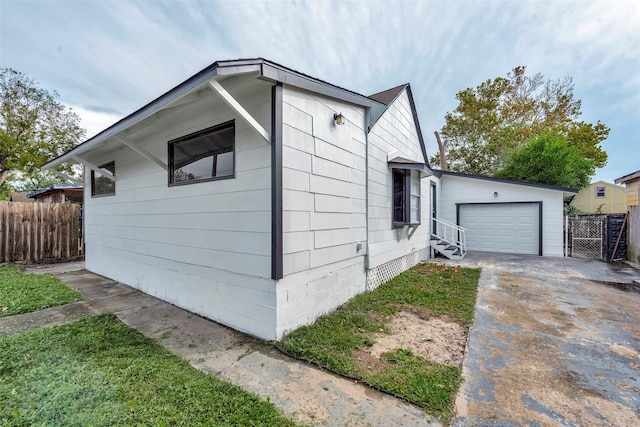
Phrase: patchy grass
(24, 293)
(98, 371)
(337, 341)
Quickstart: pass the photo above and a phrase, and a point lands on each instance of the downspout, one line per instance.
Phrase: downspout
(367, 124)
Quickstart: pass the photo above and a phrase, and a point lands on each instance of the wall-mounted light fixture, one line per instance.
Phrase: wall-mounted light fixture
(495, 194)
(338, 118)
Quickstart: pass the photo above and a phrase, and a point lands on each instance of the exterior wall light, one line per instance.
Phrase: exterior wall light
(495, 194)
(339, 119)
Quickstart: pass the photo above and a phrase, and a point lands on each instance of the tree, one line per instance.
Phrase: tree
(34, 127)
(503, 114)
(549, 159)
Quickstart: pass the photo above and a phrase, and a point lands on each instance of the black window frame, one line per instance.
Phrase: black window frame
(174, 142)
(111, 167)
(604, 192)
(401, 198)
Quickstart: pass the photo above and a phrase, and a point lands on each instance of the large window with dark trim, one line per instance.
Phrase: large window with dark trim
(203, 156)
(100, 184)
(406, 197)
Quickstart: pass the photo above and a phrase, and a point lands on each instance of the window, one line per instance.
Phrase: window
(203, 156)
(100, 184)
(600, 192)
(406, 197)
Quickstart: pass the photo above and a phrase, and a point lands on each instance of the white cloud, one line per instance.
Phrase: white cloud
(95, 122)
(116, 56)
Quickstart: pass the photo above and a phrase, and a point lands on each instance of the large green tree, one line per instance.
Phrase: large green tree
(548, 159)
(503, 114)
(34, 126)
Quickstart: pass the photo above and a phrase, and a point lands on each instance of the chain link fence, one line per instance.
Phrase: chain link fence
(585, 236)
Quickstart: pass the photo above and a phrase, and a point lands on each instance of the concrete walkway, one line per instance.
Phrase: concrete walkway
(301, 391)
(554, 343)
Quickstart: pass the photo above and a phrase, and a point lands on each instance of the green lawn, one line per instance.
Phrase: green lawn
(334, 340)
(23, 293)
(99, 372)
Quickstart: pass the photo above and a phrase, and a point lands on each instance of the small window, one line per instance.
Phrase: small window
(406, 197)
(203, 156)
(600, 192)
(100, 184)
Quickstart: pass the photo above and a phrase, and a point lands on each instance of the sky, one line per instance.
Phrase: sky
(107, 58)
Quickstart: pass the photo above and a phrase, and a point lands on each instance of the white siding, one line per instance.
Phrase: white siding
(456, 189)
(206, 246)
(394, 133)
(324, 194)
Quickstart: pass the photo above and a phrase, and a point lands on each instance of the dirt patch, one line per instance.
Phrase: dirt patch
(439, 339)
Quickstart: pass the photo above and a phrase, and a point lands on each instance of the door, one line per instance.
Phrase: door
(434, 201)
(502, 227)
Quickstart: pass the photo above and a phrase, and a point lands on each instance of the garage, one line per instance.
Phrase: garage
(502, 227)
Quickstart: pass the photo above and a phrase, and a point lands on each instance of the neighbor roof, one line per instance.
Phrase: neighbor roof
(627, 178)
(263, 68)
(19, 196)
(74, 191)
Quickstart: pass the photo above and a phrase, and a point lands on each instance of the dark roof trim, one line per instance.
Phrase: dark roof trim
(417, 122)
(262, 67)
(280, 73)
(439, 174)
(628, 177)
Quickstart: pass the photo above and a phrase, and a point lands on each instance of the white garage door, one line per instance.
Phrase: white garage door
(502, 227)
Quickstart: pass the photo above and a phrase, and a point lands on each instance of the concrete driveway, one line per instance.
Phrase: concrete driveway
(554, 343)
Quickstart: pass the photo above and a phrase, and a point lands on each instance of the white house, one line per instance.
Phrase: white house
(261, 198)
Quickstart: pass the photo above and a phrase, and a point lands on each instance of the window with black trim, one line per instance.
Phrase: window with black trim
(100, 184)
(406, 197)
(203, 156)
(601, 192)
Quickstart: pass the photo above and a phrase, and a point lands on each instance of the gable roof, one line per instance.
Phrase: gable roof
(568, 191)
(386, 97)
(608, 184)
(260, 67)
(628, 177)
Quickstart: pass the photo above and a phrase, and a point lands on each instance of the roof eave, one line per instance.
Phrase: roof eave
(565, 190)
(628, 177)
(266, 69)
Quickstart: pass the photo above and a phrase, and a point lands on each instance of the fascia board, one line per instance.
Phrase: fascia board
(275, 73)
(154, 106)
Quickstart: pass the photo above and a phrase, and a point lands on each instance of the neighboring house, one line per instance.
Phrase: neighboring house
(601, 197)
(58, 193)
(632, 187)
(262, 198)
(20, 196)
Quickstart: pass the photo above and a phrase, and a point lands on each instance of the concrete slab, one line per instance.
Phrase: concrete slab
(53, 316)
(552, 344)
(303, 392)
(61, 267)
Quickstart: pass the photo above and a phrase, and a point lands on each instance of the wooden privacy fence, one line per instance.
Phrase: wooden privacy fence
(634, 234)
(39, 231)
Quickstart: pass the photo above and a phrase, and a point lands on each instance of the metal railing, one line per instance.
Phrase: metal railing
(451, 233)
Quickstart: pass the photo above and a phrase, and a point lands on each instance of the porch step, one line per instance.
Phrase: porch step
(446, 248)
